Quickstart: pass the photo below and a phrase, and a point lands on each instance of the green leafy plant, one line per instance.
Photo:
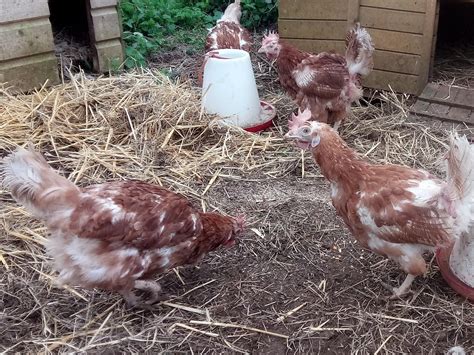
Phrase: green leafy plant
(150, 25)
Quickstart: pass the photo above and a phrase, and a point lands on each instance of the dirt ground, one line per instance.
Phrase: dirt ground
(297, 282)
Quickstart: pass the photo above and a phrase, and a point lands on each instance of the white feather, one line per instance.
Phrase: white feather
(304, 77)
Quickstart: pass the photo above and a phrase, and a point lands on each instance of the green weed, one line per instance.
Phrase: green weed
(151, 25)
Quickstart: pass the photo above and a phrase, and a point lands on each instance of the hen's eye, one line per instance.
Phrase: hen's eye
(305, 130)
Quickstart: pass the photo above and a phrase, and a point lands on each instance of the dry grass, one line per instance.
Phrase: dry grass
(297, 282)
(454, 65)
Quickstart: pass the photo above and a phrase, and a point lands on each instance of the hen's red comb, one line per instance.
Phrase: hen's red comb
(241, 220)
(270, 37)
(298, 120)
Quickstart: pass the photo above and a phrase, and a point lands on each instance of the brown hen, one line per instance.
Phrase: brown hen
(393, 210)
(326, 83)
(228, 32)
(116, 235)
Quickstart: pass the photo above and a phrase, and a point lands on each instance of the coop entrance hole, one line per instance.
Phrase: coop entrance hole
(69, 21)
(454, 55)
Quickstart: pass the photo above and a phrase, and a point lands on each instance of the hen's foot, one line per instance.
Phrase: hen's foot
(402, 290)
(150, 287)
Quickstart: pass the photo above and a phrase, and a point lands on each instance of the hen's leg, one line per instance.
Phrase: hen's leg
(337, 118)
(151, 287)
(404, 287)
(130, 298)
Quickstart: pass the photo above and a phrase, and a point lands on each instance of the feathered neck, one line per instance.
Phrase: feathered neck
(289, 56)
(338, 162)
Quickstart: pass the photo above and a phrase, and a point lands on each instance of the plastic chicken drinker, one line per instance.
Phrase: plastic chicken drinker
(229, 91)
(456, 264)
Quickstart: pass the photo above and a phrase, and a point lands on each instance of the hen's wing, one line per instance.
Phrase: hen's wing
(136, 214)
(228, 35)
(409, 211)
(323, 75)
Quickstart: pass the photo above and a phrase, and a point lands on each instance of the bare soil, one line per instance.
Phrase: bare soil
(297, 282)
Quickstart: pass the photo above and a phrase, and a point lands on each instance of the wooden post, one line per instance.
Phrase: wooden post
(428, 33)
(105, 30)
(435, 38)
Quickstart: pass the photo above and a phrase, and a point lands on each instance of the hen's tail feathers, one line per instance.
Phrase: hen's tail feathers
(34, 184)
(232, 13)
(460, 176)
(359, 51)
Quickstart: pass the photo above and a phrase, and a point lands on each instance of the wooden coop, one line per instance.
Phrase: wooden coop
(38, 36)
(404, 33)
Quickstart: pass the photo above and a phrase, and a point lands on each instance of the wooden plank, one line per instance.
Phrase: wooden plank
(420, 106)
(453, 96)
(464, 98)
(428, 33)
(393, 20)
(429, 91)
(96, 4)
(353, 12)
(404, 5)
(313, 10)
(388, 61)
(106, 24)
(438, 109)
(109, 55)
(312, 29)
(317, 46)
(435, 39)
(442, 94)
(14, 10)
(21, 39)
(384, 80)
(397, 41)
(447, 117)
(397, 62)
(30, 72)
(459, 114)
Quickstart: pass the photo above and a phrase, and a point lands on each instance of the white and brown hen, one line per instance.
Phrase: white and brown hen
(326, 83)
(393, 210)
(228, 32)
(115, 235)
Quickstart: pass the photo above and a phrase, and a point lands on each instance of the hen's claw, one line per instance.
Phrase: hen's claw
(133, 301)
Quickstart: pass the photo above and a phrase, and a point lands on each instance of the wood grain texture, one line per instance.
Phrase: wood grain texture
(380, 79)
(353, 12)
(428, 34)
(387, 40)
(109, 53)
(14, 10)
(25, 38)
(106, 24)
(313, 10)
(312, 29)
(404, 5)
(30, 72)
(95, 4)
(392, 20)
(397, 62)
(317, 46)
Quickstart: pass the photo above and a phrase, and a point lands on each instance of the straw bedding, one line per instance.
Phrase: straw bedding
(296, 283)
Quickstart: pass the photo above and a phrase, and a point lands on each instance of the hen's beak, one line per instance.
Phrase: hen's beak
(261, 50)
(288, 135)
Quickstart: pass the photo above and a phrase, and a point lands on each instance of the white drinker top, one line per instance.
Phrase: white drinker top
(461, 260)
(229, 89)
